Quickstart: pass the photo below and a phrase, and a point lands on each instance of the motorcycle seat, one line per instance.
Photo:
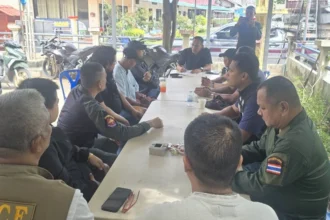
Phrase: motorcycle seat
(12, 44)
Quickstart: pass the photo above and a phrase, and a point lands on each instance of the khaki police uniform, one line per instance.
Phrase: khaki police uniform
(30, 193)
(294, 177)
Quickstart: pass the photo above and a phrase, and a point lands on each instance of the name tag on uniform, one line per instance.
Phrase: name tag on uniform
(16, 210)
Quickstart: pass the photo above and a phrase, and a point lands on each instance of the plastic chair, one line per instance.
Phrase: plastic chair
(73, 82)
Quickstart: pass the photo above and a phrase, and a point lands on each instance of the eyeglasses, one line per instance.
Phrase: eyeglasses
(130, 202)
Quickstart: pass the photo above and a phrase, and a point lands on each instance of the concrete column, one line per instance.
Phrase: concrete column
(291, 45)
(93, 15)
(185, 41)
(324, 47)
(15, 30)
(95, 37)
(74, 29)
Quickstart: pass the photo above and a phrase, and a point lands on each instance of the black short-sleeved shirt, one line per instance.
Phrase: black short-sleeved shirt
(195, 61)
(110, 96)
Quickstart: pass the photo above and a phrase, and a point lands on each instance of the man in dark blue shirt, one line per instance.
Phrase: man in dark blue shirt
(248, 30)
(197, 58)
(243, 75)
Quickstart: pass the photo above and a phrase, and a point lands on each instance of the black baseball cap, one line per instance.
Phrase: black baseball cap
(136, 45)
(230, 53)
(130, 53)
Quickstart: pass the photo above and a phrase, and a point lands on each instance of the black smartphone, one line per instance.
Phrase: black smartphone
(175, 75)
(116, 199)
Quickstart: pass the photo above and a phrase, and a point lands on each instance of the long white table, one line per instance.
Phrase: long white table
(159, 179)
(177, 89)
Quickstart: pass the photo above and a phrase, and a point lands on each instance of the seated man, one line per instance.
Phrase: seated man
(63, 160)
(111, 99)
(242, 75)
(197, 58)
(125, 80)
(227, 93)
(82, 117)
(27, 191)
(213, 147)
(148, 82)
(294, 175)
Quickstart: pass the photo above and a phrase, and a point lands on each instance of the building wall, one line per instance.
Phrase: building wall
(13, 3)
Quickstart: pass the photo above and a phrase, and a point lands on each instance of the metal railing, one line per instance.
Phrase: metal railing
(308, 52)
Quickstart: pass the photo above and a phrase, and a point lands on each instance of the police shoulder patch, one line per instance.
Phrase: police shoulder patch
(110, 121)
(274, 165)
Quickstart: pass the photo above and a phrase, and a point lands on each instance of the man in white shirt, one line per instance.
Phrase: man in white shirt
(125, 80)
(28, 191)
(213, 147)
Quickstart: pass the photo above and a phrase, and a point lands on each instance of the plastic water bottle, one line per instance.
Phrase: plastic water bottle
(190, 98)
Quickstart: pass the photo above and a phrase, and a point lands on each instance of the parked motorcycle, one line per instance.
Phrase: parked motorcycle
(13, 64)
(62, 56)
(159, 61)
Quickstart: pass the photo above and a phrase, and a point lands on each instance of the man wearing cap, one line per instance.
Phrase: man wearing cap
(126, 82)
(148, 82)
(197, 58)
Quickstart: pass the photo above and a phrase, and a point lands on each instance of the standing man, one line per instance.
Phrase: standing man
(28, 191)
(294, 176)
(248, 30)
(197, 58)
(148, 82)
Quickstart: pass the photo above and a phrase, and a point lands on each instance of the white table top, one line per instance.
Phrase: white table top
(159, 179)
(177, 89)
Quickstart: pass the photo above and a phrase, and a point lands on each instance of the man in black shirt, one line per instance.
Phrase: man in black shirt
(147, 80)
(197, 58)
(62, 159)
(82, 117)
(111, 99)
(248, 30)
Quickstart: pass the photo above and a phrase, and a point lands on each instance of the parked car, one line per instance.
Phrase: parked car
(221, 40)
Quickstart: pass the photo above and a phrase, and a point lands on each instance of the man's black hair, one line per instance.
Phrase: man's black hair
(130, 53)
(246, 49)
(200, 39)
(105, 55)
(251, 8)
(91, 73)
(280, 89)
(213, 147)
(248, 63)
(47, 88)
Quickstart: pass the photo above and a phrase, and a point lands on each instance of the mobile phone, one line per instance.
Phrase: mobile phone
(116, 199)
(158, 145)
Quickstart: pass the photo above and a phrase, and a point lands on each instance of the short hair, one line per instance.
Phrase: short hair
(279, 88)
(213, 146)
(46, 87)
(248, 63)
(200, 39)
(130, 53)
(251, 8)
(23, 117)
(104, 55)
(246, 49)
(91, 73)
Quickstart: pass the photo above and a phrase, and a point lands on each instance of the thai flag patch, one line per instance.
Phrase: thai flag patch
(274, 166)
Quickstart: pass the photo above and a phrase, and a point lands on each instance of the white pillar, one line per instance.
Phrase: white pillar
(74, 29)
(209, 18)
(113, 12)
(267, 35)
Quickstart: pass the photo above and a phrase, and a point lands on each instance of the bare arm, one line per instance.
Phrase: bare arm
(230, 98)
(114, 114)
(133, 102)
(127, 105)
(220, 79)
(245, 135)
(207, 67)
(230, 111)
(223, 89)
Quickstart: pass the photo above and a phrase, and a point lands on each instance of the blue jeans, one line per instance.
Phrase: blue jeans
(129, 117)
(153, 93)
